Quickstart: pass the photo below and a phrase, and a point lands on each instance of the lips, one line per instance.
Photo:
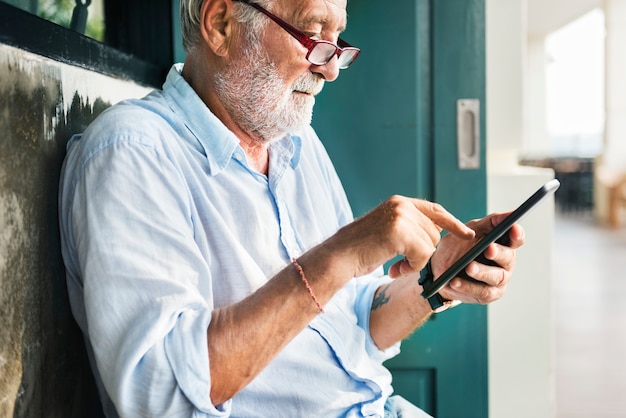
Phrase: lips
(308, 86)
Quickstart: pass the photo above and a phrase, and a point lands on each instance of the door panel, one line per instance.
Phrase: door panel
(459, 73)
(389, 124)
(368, 117)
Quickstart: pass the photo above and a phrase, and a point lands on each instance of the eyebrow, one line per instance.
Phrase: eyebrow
(319, 20)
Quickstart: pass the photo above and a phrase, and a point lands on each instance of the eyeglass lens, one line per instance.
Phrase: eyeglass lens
(323, 52)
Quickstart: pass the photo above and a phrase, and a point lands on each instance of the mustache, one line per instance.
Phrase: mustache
(309, 83)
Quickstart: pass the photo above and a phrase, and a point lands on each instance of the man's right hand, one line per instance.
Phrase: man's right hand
(399, 226)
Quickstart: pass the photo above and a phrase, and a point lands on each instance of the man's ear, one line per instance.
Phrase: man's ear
(216, 25)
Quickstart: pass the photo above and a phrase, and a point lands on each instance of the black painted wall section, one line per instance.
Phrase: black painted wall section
(142, 49)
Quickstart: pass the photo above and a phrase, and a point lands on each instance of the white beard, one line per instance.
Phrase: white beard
(257, 99)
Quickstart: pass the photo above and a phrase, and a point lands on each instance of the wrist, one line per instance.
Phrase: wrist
(327, 266)
(437, 302)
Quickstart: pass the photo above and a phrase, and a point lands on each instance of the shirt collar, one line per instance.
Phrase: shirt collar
(219, 142)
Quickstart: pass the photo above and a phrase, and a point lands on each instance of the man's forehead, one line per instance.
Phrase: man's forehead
(315, 11)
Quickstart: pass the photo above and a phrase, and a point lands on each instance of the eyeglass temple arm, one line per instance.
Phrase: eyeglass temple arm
(343, 44)
(302, 38)
(306, 41)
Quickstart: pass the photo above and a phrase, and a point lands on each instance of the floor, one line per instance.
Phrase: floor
(590, 317)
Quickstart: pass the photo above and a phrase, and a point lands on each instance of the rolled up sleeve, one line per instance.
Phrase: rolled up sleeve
(366, 289)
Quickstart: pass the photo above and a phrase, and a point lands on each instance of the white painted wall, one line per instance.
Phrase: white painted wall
(537, 142)
(521, 325)
(505, 40)
(521, 375)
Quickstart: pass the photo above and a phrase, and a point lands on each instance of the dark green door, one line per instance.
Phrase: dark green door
(389, 123)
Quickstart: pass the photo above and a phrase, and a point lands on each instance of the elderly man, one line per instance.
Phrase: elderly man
(212, 260)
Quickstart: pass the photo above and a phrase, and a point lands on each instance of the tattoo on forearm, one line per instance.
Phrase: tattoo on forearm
(380, 299)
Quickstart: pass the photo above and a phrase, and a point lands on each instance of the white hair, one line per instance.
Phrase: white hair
(245, 14)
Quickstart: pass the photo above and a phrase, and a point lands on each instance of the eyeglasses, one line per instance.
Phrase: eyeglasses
(320, 51)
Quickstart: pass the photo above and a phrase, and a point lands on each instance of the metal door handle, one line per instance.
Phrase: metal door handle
(468, 133)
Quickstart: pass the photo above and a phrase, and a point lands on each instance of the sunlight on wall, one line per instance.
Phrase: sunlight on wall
(575, 86)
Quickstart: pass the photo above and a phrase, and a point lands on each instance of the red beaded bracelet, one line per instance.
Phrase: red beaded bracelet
(306, 283)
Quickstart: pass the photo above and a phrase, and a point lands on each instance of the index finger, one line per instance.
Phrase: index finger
(444, 219)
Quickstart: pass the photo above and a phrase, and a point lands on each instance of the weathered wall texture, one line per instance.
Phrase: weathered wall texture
(43, 366)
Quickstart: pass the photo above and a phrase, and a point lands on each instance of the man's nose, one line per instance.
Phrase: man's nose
(329, 71)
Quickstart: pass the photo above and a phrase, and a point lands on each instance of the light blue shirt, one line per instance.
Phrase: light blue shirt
(163, 220)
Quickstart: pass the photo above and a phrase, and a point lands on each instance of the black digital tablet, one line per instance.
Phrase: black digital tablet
(496, 234)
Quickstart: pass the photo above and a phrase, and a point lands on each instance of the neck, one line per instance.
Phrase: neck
(257, 153)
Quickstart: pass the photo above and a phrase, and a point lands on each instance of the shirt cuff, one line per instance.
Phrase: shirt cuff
(187, 351)
(367, 287)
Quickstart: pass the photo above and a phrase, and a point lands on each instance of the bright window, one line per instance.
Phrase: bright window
(575, 86)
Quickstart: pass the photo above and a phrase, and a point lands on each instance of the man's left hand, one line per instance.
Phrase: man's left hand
(487, 283)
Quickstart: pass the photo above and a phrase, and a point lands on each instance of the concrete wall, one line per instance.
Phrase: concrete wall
(43, 366)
